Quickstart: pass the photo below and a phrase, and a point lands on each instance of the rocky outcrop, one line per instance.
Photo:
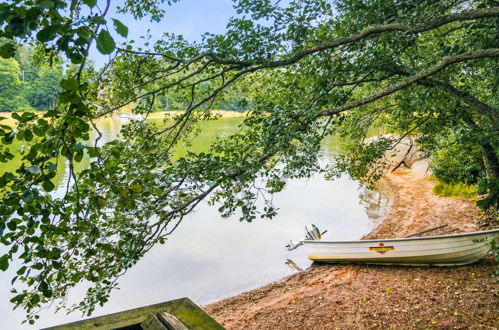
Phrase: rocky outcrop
(405, 156)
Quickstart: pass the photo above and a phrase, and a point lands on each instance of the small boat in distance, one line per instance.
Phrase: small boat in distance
(445, 250)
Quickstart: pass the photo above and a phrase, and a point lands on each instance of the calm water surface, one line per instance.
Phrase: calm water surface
(209, 258)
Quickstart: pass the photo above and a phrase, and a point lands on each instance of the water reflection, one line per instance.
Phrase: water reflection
(376, 202)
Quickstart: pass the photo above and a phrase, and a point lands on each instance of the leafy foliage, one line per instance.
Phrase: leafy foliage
(28, 84)
(458, 163)
(10, 98)
(456, 189)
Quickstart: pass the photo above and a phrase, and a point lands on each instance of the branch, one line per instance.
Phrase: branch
(123, 50)
(493, 52)
(87, 48)
(367, 32)
(470, 100)
(153, 92)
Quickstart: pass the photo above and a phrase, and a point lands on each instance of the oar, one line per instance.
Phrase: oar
(448, 231)
(426, 231)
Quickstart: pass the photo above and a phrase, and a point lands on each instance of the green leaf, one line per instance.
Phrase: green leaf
(90, 3)
(69, 84)
(105, 43)
(9, 137)
(78, 156)
(28, 196)
(18, 299)
(27, 116)
(46, 290)
(121, 28)
(39, 131)
(8, 49)
(21, 270)
(101, 202)
(33, 170)
(136, 188)
(51, 167)
(48, 33)
(28, 135)
(4, 262)
(12, 225)
(107, 248)
(45, 5)
(100, 20)
(48, 185)
(130, 204)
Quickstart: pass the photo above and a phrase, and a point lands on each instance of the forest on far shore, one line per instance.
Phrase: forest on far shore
(29, 83)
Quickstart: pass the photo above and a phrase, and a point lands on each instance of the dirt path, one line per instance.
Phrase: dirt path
(415, 208)
(371, 297)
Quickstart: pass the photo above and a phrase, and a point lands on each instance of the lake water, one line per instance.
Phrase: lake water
(209, 258)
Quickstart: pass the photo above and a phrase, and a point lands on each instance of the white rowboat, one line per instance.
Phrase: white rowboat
(448, 250)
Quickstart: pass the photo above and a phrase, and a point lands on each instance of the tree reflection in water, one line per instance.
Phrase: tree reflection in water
(376, 202)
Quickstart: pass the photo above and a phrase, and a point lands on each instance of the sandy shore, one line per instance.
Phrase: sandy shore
(220, 113)
(371, 297)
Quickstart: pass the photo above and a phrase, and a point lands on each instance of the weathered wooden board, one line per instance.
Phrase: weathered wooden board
(187, 312)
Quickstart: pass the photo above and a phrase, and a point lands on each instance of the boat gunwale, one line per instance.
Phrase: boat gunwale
(405, 239)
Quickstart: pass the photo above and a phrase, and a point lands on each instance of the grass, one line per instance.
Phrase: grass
(455, 190)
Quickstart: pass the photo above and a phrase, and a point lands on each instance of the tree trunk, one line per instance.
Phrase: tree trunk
(490, 161)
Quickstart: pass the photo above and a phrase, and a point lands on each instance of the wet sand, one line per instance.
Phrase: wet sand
(371, 297)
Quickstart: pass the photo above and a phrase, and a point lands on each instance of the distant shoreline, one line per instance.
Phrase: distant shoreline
(160, 114)
(221, 113)
(153, 115)
(9, 120)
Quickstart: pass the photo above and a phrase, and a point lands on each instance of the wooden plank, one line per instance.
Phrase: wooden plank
(191, 315)
(152, 323)
(170, 321)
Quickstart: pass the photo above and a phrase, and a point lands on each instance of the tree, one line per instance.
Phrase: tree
(43, 90)
(10, 98)
(29, 83)
(41, 77)
(312, 68)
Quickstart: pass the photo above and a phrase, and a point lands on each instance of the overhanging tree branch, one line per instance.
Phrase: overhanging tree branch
(253, 66)
(494, 52)
(367, 32)
(470, 100)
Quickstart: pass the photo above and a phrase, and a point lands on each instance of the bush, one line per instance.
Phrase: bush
(455, 189)
(458, 163)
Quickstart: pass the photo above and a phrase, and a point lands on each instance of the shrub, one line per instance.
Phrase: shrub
(455, 189)
(458, 163)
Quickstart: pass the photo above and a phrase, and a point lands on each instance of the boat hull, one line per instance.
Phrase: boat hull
(450, 250)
